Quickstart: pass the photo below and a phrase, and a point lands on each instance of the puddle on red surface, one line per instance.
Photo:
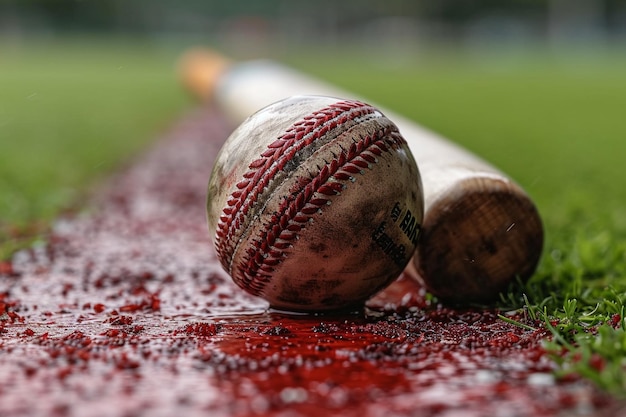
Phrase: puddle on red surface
(127, 312)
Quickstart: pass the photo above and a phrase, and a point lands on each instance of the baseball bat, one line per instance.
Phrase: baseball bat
(481, 230)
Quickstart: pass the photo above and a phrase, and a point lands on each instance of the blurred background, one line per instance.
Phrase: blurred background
(282, 23)
(537, 87)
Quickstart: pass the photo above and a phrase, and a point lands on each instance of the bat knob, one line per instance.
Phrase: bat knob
(200, 70)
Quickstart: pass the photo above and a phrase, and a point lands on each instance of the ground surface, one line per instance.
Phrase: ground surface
(126, 312)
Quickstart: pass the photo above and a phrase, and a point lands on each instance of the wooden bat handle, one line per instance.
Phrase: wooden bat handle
(480, 230)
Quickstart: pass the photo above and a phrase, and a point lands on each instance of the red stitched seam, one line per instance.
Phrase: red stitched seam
(268, 249)
(272, 160)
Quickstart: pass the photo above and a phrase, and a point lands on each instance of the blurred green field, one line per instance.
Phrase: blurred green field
(70, 112)
(73, 112)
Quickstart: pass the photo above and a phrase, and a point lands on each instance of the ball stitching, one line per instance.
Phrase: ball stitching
(272, 243)
(272, 160)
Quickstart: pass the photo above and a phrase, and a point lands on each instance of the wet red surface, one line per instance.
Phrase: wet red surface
(126, 312)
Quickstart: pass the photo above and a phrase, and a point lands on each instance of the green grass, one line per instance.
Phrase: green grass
(70, 112)
(555, 123)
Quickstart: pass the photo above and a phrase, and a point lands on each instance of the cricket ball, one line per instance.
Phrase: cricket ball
(315, 203)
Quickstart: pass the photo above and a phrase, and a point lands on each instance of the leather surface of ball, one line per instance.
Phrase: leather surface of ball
(315, 203)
